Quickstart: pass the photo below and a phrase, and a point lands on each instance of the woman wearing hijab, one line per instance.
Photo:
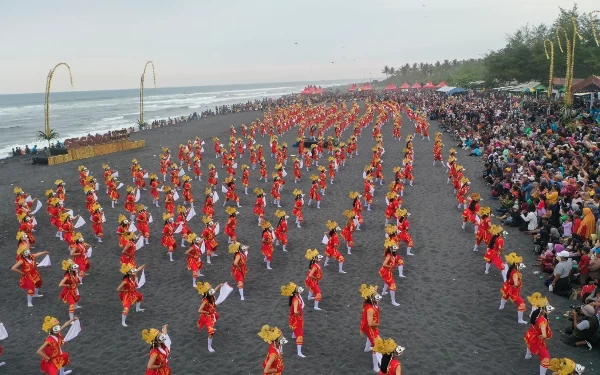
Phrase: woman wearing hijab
(587, 227)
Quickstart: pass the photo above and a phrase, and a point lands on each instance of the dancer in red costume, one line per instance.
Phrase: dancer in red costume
(129, 248)
(54, 360)
(70, 282)
(281, 229)
(387, 269)
(495, 246)
(483, 230)
(511, 290)
(128, 290)
(538, 333)
(333, 243)
(208, 311)
(296, 317)
(26, 266)
(231, 225)
(168, 238)
(169, 200)
(98, 220)
(160, 349)
(471, 212)
(298, 205)
(143, 222)
(209, 235)
(268, 237)
(79, 251)
(273, 363)
(260, 204)
(349, 229)
(188, 197)
(194, 262)
(389, 352)
(315, 274)
(209, 206)
(239, 268)
(369, 323)
(403, 226)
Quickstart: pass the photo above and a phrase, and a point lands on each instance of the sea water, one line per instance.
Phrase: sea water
(78, 113)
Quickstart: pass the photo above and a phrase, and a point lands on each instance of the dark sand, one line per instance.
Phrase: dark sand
(448, 320)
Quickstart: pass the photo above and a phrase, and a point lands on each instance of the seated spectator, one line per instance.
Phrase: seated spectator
(561, 281)
(584, 328)
(530, 220)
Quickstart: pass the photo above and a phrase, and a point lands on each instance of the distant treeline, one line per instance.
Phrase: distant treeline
(522, 59)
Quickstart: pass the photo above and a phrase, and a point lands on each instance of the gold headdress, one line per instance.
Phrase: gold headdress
(279, 213)
(22, 216)
(265, 224)
(81, 168)
(259, 191)
(391, 195)
(401, 212)
(192, 237)
(149, 335)
(475, 196)
(496, 229)
(105, 166)
(180, 209)
(331, 225)
(244, 166)
(297, 192)
(234, 247)
(203, 288)
(269, 334)
(485, 211)
(17, 190)
(349, 214)
(230, 210)
(288, 290)
(513, 258)
(186, 178)
(134, 161)
(396, 169)
(314, 177)
(385, 346)
(140, 207)
(464, 180)
(58, 182)
(537, 300)
(126, 268)
(167, 189)
(167, 216)
(311, 254)
(65, 216)
(353, 195)
(452, 151)
(367, 291)
(88, 190)
(49, 193)
(206, 219)
(49, 322)
(20, 235)
(390, 228)
(66, 264)
(208, 191)
(130, 189)
(389, 243)
(129, 235)
(121, 219)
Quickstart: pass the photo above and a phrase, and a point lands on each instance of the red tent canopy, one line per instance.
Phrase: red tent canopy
(429, 85)
(310, 90)
(366, 87)
(416, 85)
(441, 84)
(353, 88)
(318, 90)
(405, 85)
(390, 87)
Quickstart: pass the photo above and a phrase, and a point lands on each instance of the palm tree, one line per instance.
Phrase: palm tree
(50, 136)
(415, 67)
(454, 62)
(386, 70)
(446, 63)
(437, 64)
(405, 69)
(392, 71)
(421, 65)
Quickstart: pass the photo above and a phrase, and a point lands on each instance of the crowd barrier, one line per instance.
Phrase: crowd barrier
(95, 150)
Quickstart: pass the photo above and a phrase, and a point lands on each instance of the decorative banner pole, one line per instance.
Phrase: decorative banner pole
(575, 36)
(551, 58)
(593, 21)
(568, 65)
(141, 120)
(47, 98)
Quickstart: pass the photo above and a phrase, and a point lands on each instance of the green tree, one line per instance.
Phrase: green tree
(386, 70)
(49, 137)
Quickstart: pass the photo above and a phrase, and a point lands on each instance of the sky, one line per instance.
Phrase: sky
(209, 42)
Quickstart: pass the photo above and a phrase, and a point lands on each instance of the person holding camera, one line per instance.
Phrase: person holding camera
(584, 329)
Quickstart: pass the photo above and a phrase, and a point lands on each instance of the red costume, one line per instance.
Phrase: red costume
(130, 296)
(277, 363)
(494, 253)
(239, 272)
(70, 294)
(296, 321)
(281, 232)
(371, 332)
(512, 291)
(161, 359)
(386, 273)
(194, 262)
(267, 244)
(31, 279)
(209, 318)
(168, 239)
(58, 358)
(331, 250)
(536, 342)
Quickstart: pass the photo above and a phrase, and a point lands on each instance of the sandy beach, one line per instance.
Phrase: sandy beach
(448, 318)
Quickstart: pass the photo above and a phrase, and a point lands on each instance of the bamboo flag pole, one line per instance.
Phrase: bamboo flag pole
(568, 64)
(47, 97)
(551, 58)
(142, 88)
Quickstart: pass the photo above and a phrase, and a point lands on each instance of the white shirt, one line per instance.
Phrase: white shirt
(531, 220)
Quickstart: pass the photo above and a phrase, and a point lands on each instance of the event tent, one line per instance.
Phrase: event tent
(450, 90)
(429, 85)
(591, 83)
(390, 87)
(353, 88)
(312, 90)
(415, 85)
(405, 86)
(366, 87)
(441, 84)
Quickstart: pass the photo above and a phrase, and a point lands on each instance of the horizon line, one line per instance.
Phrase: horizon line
(178, 87)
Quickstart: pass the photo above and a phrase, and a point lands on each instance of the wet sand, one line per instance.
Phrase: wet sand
(448, 319)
